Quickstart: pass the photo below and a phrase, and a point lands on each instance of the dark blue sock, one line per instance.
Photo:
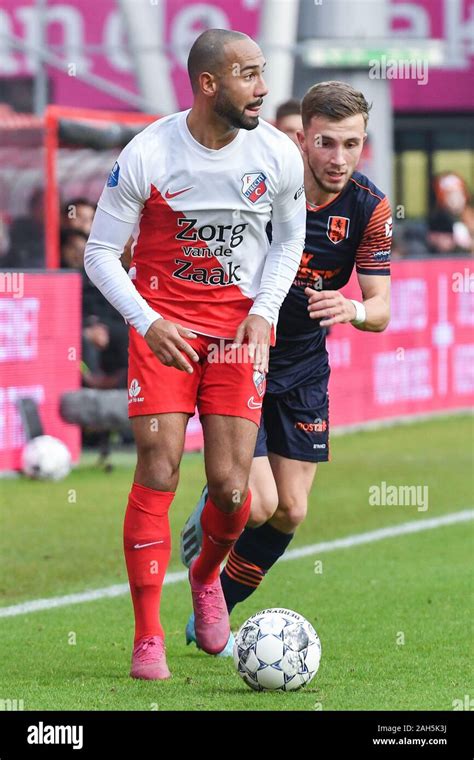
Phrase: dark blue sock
(253, 554)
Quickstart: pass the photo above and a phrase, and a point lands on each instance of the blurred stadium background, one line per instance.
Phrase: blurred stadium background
(77, 80)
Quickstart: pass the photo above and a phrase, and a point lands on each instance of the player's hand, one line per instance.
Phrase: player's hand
(256, 330)
(330, 307)
(166, 340)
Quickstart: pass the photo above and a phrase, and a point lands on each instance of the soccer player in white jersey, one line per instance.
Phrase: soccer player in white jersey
(348, 226)
(197, 190)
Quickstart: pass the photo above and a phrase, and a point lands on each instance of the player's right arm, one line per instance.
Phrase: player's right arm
(118, 211)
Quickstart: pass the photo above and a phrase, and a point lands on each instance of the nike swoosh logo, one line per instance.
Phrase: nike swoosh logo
(141, 546)
(253, 404)
(169, 195)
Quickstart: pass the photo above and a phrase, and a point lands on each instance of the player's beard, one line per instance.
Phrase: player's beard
(237, 119)
(323, 185)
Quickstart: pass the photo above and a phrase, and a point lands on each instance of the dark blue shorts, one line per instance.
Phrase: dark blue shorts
(295, 418)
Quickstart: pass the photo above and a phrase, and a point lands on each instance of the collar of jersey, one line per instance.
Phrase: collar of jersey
(315, 209)
(201, 149)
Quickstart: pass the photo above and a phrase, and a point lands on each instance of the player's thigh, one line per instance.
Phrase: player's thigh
(294, 480)
(264, 491)
(229, 443)
(160, 442)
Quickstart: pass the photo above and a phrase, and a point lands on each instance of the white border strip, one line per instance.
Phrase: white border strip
(415, 526)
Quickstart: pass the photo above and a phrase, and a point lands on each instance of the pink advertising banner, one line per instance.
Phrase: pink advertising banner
(39, 358)
(423, 362)
(448, 88)
(76, 29)
(80, 26)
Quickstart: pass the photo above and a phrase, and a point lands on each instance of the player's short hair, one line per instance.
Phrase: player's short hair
(208, 52)
(336, 100)
(290, 107)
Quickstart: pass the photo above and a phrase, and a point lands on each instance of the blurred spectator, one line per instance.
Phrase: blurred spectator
(411, 237)
(104, 333)
(78, 214)
(4, 238)
(26, 234)
(288, 119)
(73, 245)
(447, 232)
(467, 217)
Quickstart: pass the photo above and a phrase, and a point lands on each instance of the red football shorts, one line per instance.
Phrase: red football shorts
(223, 382)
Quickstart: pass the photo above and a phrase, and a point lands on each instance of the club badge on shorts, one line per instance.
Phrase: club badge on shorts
(259, 382)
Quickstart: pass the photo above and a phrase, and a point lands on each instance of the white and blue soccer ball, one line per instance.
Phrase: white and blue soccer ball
(277, 649)
(46, 458)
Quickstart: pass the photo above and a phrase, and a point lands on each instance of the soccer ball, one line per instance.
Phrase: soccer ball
(277, 649)
(45, 458)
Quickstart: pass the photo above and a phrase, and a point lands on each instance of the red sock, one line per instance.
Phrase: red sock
(219, 533)
(146, 522)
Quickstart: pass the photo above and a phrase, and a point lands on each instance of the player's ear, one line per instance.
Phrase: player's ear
(300, 135)
(364, 138)
(207, 83)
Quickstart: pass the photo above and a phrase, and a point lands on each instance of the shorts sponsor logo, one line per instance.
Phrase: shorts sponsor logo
(318, 426)
(254, 185)
(338, 228)
(259, 382)
(133, 392)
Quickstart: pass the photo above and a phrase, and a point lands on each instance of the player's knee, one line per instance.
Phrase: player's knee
(262, 508)
(228, 492)
(157, 469)
(292, 510)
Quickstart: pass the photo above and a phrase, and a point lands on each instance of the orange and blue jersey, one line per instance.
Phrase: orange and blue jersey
(354, 229)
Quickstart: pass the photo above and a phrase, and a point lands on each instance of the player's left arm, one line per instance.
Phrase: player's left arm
(373, 273)
(282, 260)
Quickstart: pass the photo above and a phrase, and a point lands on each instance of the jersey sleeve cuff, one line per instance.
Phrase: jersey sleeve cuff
(260, 311)
(146, 321)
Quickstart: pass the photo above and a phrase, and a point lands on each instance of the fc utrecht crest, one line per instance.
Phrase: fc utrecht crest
(254, 185)
(338, 228)
(259, 382)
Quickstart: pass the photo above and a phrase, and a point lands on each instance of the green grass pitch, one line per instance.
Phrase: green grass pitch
(394, 616)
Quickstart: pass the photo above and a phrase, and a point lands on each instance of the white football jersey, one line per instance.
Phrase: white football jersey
(201, 217)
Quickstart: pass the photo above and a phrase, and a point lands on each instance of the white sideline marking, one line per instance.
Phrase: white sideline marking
(415, 526)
